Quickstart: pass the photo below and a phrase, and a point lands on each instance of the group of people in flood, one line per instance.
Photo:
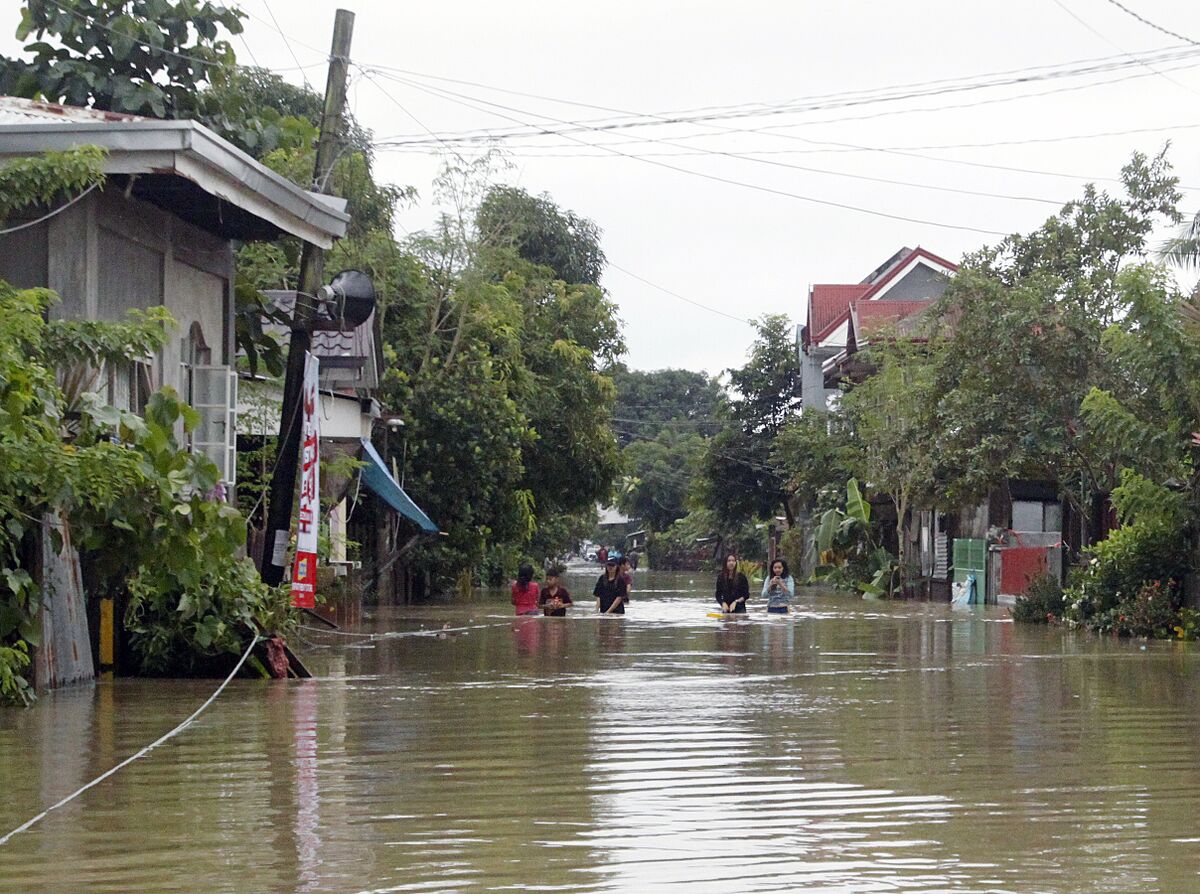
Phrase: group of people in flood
(733, 588)
(614, 586)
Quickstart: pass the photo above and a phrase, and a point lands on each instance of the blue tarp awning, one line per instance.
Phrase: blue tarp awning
(376, 476)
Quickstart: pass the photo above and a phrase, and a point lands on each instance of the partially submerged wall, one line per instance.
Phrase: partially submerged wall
(64, 655)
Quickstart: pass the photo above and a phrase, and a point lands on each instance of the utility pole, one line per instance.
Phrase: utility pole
(312, 276)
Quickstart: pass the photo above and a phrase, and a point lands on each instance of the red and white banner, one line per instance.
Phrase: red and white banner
(304, 572)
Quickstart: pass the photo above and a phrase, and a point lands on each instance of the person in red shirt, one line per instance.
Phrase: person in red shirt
(525, 592)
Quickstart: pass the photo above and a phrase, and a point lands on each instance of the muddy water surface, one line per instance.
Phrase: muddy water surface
(851, 747)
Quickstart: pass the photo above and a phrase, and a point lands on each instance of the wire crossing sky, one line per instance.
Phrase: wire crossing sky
(734, 155)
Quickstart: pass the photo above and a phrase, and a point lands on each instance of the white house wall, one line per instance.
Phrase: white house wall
(342, 417)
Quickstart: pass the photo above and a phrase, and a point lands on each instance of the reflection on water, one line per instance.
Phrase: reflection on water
(851, 747)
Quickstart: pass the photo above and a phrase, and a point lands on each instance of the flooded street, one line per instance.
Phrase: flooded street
(852, 747)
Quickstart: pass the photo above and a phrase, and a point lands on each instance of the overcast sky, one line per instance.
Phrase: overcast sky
(737, 249)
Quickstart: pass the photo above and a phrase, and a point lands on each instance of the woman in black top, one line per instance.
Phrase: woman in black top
(732, 587)
(611, 591)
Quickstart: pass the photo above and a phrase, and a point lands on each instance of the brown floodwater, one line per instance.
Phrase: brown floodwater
(851, 746)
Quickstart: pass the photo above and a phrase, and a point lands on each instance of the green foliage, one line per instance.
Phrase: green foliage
(1152, 612)
(650, 402)
(1042, 602)
(45, 179)
(891, 416)
(538, 230)
(1023, 324)
(660, 474)
(845, 551)
(175, 546)
(857, 508)
(1150, 545)
(739, 480)
(496, 364)
(14, 660)
(146, 57)
(817, 457)
(139, 506)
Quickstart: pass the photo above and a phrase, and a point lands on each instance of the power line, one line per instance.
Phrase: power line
(287, 43)
(1166, 77)
(1145, 21)
(842, 148)
(367, 74)
(825, 171)
(673, 294)
(838, 100)
(713, 177)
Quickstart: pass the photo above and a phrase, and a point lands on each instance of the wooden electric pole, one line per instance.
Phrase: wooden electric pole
(312, 275)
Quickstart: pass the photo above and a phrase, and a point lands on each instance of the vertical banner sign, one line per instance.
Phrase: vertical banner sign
(304, 572)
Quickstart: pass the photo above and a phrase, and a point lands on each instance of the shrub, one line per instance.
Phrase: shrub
(169, 540)
(1151, 545)
(1153, 612)
(1042, 602)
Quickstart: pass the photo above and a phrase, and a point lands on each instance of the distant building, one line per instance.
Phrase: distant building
(841, 317)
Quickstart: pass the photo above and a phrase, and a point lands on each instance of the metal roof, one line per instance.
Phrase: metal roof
(348, 359)
(247, 200)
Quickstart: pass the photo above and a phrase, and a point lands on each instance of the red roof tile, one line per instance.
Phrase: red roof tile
(868, 316)
(828, 306)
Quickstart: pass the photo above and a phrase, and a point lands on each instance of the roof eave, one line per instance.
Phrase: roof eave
(191, 151)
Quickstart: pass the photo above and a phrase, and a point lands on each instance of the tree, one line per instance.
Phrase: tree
(818, 455)
(144, 57)
(1024, 321)
(542, 233)
(891, 416)
(740, 482)
(660, 474)
(497, 363)
(651, 402)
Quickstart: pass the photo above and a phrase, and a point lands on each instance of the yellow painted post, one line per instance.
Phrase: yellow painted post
(108, 632)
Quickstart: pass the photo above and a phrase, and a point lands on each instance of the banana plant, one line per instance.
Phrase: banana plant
(844, 541)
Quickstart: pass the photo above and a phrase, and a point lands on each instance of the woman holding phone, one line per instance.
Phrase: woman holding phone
(779, 588)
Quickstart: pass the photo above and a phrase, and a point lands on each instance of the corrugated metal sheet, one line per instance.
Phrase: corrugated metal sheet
(14, 110)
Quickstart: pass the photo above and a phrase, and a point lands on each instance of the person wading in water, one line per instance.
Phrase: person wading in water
(732, 587)
(525, 592)
(779, 588)
(610, 591)
(554, 599)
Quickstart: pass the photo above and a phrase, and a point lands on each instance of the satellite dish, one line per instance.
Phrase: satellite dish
(346, 302)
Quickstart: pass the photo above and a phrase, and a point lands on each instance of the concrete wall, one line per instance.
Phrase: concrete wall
(919, 283)
(109, 253)
(813, 393)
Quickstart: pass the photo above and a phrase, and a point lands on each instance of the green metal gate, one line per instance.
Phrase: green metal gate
(970, 561)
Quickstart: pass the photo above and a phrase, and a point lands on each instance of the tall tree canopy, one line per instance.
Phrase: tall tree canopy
(740, 480)
(144, 57)
(542, 233)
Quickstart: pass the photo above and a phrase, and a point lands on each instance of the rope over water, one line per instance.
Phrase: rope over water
(129, 760)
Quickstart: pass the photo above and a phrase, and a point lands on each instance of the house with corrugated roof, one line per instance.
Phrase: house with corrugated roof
(161, 232)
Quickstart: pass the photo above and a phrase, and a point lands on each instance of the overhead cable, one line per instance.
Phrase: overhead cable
(1100, 34)
(827, 101)
(758, 187)
(684, 298)
(1145, 21)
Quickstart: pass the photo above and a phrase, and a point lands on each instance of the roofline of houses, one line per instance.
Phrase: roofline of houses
(190, 150)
